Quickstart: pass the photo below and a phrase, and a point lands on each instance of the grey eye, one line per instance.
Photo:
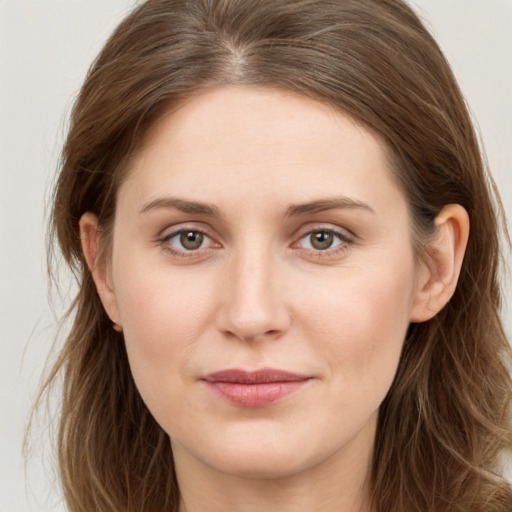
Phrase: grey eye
(191, 240)
(321, 240)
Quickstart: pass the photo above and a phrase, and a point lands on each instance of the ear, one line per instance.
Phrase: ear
(439, 272)
(100, 270)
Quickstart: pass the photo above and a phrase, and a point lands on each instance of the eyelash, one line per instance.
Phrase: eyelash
(342, 246)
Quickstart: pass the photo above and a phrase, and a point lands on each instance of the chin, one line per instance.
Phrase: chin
(265, 455)
(263, 464)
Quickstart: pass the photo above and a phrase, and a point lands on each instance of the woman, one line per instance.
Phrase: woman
(287, 249)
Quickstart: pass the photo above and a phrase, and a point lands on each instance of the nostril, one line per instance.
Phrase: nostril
(252, 335)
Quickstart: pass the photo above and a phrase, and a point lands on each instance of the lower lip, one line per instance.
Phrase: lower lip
(255, 395)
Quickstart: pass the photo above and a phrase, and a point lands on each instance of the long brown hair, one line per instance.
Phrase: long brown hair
(446, 420)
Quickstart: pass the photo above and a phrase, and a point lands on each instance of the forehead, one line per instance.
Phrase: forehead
(235, 140)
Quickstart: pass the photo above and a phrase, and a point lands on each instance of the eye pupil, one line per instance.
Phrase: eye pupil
(191, 240)
(322, 240)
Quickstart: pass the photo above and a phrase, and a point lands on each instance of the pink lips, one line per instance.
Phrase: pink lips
(254, 388)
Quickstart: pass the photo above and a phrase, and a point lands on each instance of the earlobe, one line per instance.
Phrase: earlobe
(90, 238)
(440, 269)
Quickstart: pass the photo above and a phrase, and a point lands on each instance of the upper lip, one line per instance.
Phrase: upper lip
(261, 376)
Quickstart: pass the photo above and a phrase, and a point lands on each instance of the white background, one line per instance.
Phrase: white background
(45, 49)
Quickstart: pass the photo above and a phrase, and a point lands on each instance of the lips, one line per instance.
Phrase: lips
(258, 388)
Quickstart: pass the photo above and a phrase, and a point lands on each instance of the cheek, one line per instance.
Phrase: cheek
(163, 317)
(360, 323)
(156, 301)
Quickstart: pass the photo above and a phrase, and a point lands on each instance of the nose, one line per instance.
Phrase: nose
(253, 305)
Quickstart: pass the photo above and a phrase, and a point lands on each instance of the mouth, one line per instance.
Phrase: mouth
(254, 389)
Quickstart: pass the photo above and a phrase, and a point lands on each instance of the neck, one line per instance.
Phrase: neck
(282, 495)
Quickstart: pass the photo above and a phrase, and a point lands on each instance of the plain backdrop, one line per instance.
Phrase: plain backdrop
(45, 50)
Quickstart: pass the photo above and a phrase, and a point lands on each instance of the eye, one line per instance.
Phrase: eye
(190, 240)
(186, 240)
(323, 240)
(320, 240)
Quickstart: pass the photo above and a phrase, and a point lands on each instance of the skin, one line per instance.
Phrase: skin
(259, 293)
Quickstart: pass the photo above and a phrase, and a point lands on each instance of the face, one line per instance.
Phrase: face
(263, 272)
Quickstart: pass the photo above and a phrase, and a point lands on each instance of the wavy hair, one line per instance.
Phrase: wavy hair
(445, 422)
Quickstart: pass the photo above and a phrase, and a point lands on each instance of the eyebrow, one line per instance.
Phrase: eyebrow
(327, 204)
(210, 210)
(183, 205)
